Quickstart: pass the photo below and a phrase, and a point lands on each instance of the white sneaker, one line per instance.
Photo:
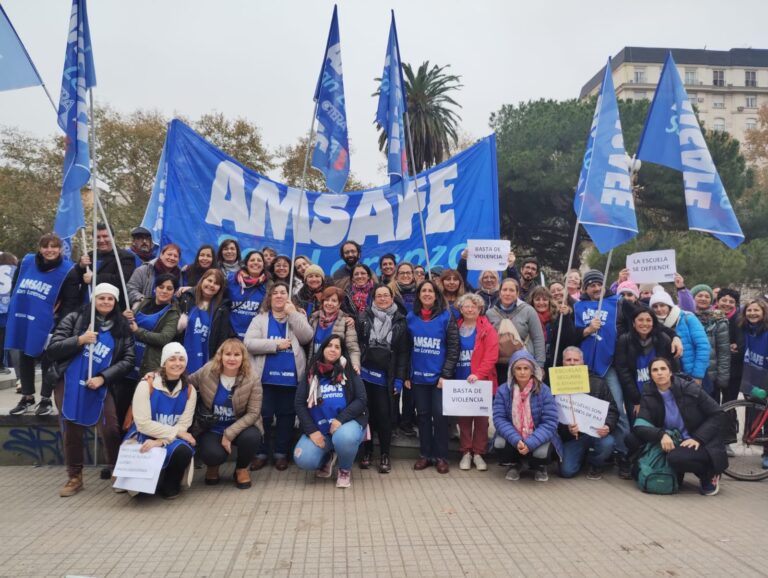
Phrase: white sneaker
(480, 463)
(729, 451)
(513, 474)
(343, 479)
(466, 461)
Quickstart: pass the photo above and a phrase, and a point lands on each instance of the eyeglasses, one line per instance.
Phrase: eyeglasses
(405, 274)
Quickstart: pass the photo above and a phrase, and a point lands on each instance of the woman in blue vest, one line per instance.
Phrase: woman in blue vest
(434, 353)
(404, 287)
(228, 257)
(754, 377)
(384, 351)
(330, 319)
(191, 274)
(205, 322)
(310, 297)
(142, 282)
(247, 289)
(359, 293)
(46, 287)
(333, 414)
(276, 338)
(84, 401)
(229, 391)
(163, 409)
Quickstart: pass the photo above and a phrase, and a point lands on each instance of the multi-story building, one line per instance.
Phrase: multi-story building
(726, 86)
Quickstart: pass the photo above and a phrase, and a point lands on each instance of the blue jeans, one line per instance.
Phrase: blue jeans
(344, 441)
(575, 450)
(622, 428)
(278, 401)
(433, 426)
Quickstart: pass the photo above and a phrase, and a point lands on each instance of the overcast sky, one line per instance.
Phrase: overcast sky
(260, 60)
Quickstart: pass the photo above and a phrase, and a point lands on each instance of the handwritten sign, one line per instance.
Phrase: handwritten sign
(138, 471)
(652, 266)
(572, 379)
(589, 412)
(462, 398)
(487, 255)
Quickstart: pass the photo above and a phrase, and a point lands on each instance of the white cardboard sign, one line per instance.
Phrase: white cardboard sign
(487, 255)
(138, 471)
(590, 412)
(461, 398)
(652, 266)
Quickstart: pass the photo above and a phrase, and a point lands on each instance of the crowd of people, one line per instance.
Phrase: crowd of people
(227, 352)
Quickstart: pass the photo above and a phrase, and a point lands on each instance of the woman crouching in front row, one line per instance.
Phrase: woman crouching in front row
(332, 408)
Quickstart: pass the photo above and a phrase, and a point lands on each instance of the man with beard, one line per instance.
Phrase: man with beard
(529, 272)
(351, 253)
(141, 246)
(106, 265)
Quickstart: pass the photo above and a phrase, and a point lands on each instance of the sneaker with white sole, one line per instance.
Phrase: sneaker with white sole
(343, 479)
(729, 451)
(24, 405)
(710, 487)
(541, 474)
(480, 463)
(326, 470)
(513, 474)
(466, 462)
(45, 407)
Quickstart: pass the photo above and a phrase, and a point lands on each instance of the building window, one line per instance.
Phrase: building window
(751, 101)
(718, 77)
(641, 95)
(719, 124)
(640, 75)
(751, 123)
(718, 101)
(750, 78)
(690, 76)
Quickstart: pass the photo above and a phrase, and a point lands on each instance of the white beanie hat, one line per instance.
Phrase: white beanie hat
(107, 289)
(170, 350)
(661, 296)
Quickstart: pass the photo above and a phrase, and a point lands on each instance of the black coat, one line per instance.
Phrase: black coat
(598, 388)
(107, 271)
(63, 347)
(400, 346)
(628, 349)
(221, 328)
(354, 393)
(701, 414)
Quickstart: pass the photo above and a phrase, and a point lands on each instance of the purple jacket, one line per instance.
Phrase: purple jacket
(543, 411)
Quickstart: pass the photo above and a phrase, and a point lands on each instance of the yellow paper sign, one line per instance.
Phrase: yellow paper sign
(566, 380)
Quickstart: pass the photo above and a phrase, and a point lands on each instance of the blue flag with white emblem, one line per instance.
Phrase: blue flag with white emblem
(672, 137)
(331, 154)
(16, 68)
(391, 108)
(79, 75)
(604, 202)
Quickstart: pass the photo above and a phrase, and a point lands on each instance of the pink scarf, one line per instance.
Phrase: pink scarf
(360, 295)
(521, 409)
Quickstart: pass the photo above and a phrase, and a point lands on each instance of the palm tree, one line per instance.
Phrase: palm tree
(433, 123)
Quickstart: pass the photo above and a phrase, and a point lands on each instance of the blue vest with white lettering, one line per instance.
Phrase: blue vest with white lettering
(643, 365)
(30, 314)
(466, 349)
(148, 322)
(279, 367)
(223, 410)
(428, 354)
(598, 348)
(196, 339)
(82, 405)
(331, 402)
(166, 410)
(756, 349)
(245, 304)
(320, 335)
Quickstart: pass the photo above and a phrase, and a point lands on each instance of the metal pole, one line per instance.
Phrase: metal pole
(416, 192)
(565, 291)
(114, 249)
(297, 219)
(93, 278)
(48, 94)
(605, 281)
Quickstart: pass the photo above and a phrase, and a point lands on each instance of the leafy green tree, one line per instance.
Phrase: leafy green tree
(291, 163)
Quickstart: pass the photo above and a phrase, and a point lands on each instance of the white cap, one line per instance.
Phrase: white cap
(107, 289)
(170, 350)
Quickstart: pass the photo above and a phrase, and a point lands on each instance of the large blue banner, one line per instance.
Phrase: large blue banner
(205, 196)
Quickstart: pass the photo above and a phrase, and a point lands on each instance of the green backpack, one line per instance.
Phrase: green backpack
(655, 475)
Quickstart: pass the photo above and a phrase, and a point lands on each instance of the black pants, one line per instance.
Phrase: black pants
(681, 460)
(123, 394)
(169, 483)
(407, 415)
(27, 375)
(211, 452)
(509, 454)
(380, 410)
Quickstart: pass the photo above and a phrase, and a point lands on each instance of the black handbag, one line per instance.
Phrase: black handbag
(377, 357)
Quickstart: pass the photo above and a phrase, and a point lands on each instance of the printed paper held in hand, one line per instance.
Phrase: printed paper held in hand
(489, 255)
(590, 412)
(461, 398)
(138, 471)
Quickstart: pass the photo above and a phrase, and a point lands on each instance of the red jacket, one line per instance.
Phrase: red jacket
(486, 353)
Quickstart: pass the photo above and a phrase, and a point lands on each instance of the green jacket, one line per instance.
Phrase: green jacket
(163, 333)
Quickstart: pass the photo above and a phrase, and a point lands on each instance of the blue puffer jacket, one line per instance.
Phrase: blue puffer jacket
(695, 345)
(543, 411)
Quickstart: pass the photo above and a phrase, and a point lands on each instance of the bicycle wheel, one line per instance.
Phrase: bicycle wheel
(747, 463)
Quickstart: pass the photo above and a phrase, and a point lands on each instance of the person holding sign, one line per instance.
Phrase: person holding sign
(162, 411)
(434, 353)
(332, 409)
(84, 401)
(478, 353)
(228, 390)
(525, 417)
(577, 444)
(276, 339)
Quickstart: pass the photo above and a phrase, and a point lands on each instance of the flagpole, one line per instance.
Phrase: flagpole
(605, 282)
(93, 277)
(50, 99)
(114, 249)
(416, 190)
(297, 221)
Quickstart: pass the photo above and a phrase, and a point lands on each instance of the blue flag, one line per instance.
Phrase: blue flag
(604, 202)
(390, 111)
(331, 155)
(672, 137)
(79, 75)
(16, 68)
